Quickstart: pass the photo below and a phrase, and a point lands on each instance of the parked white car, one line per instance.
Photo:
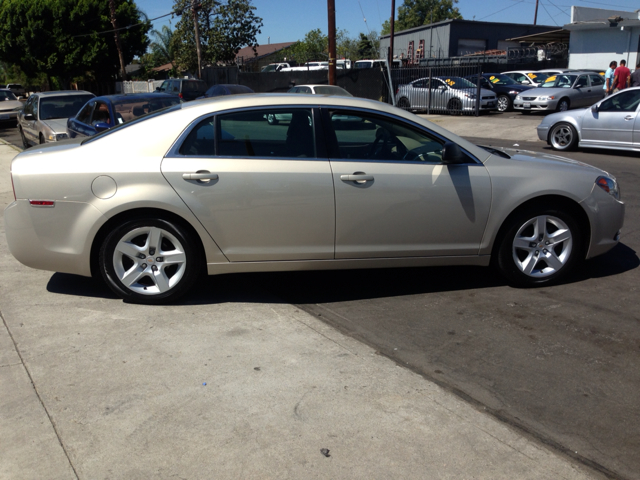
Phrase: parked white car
(527, 77)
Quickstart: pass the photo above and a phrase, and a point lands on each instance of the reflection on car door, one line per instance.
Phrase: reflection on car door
(260, 190)
(80, 125)
(395, 198)
(29, 126)
(614, 123)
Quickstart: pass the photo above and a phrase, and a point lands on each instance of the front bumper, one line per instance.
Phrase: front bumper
(606, 215)
(8, 115)
(535, 105)
(543, 133)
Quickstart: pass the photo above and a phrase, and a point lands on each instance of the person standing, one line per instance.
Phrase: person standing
(635, 76)
(621, 77)
(608, 79)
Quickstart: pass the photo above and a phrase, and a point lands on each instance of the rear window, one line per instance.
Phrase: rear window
(129, 108)
(193, 86)
(332, 90)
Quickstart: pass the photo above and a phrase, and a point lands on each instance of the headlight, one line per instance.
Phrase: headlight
(55, 137)
(470, 95)
(609, 185)
(513, 92)
(518, 97)
(546, 99)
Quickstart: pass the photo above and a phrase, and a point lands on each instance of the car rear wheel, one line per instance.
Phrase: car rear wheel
(454, 106)
(41, 139)
(563, 136)
(25, 144)
(149, 261)
(404, 103)
(504, 103)
(540, 246)
(563, 105)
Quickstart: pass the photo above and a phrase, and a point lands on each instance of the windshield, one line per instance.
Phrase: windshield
(500, 79)
(331, 90)
(7, 95)
(559, 81)
(127, 109)
(457, 82)
(135, 121)
(538, 77)
(63, 106)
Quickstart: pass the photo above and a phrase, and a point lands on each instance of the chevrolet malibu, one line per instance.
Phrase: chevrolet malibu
(210, 186)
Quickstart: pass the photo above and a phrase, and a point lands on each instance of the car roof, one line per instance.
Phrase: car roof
(63, 93)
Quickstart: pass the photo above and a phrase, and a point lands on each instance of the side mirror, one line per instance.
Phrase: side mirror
(595, 108)
(451, 154)
(158, 89)
(29, 116)
(101, 126)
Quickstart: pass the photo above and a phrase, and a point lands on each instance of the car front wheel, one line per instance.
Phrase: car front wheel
(563, 136)
(25, 143)
(504, 103)
(563, 105)
(540, 246)
(149, 261)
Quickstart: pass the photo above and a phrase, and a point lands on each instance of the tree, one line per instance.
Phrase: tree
(224, 29)
(369, 45)
(66, 39)
(414, 13)
(162, 48)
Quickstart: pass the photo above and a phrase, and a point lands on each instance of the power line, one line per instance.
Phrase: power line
(552, 19)
(128, 26)
(492, 14)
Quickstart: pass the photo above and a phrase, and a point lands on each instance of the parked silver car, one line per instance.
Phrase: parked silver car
(44, 117)
(561, 92)
(443, 94)
(612, 123)
(210, 186)
(9, 106)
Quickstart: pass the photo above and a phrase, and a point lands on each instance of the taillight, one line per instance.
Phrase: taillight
(42, 203)
(180, 95)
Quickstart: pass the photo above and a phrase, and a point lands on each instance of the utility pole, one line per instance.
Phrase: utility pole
(114, 23)
(331, 7)
(194, 9)
(393, 19)
(535, 16)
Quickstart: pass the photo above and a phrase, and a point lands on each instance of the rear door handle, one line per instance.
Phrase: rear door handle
(357, 177)
(203, 176)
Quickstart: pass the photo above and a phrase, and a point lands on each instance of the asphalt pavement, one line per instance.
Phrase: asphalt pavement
(313, 375)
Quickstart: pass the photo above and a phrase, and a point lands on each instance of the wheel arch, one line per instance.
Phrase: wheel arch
(569, 121)
(568, 102)
(547, 201)
(110, 224)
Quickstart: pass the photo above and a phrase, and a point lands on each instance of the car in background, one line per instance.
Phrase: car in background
(152, 205)
(444, 94)
(527, 77)
(102, 113)
(275, 118)
(17, 89)
(274, 67)
(226, 89)
(378, 63)
(505, 88)
(43, 118)
(611, 123)
(561, 92)
(186, 88)
(9, 106)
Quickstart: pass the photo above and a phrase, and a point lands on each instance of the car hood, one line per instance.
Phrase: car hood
(539, 91)
(10, 104)
(519, 155)
(57, 125)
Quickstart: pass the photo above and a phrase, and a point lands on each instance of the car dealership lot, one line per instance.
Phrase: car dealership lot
(121, 386)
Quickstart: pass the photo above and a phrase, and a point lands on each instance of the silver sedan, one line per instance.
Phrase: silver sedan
(44, 117)
(561, 92)
(210, 186)
(611, 123)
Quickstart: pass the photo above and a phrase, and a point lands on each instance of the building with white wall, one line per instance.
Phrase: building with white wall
(599, 36)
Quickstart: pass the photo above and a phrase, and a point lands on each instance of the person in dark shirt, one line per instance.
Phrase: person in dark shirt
(635, 76)
(621, 77)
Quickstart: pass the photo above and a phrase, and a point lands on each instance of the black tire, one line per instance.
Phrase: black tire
(454, 106)
(160, 258)
(563, 105)
(25, 144)
(528, 257)
(504, 103)
(563, 136)
(404, 103)
(41, 139)
(525, 112)
(271, 119)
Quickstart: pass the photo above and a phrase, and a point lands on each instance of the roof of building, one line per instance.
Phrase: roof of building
(553, 36)
(458, 20)
(260, 51)
(163, 68)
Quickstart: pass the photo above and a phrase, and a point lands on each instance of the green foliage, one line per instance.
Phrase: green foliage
(368, 45)
(59, 38)
(315, 46)
(162, 48)
(224, 29)
(414, 13)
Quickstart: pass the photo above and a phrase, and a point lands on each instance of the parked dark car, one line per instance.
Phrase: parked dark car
(505, 88)
(102, 113)
(186, 88)
(226, 89)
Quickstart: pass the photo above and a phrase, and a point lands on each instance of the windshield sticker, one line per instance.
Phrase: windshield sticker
(550, 79)
(491, 77)
(494, 80)
(532, 75)
(450, 82)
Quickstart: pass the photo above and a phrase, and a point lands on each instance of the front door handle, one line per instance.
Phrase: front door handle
(629, 117)
(357, 177)
(202, 176)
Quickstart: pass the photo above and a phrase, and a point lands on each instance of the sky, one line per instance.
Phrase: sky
(290, 20)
